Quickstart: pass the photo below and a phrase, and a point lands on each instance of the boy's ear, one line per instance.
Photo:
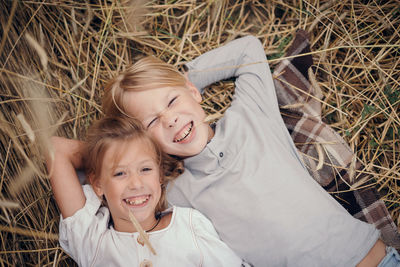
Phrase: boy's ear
(193, 90)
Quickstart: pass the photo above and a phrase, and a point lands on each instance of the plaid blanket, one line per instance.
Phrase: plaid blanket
(329, 160)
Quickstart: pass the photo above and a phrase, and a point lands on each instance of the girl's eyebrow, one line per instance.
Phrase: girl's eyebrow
(144, 161)
(148, 160)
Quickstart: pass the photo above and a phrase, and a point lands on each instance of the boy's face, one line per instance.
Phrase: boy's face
(130, 180)
(173, 116)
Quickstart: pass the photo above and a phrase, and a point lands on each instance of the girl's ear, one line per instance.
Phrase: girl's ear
(193, 90)
(96, 185)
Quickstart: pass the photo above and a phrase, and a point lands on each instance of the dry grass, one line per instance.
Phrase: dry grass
(57, 55)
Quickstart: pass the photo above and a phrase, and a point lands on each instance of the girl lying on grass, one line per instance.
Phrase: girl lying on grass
(128, 174)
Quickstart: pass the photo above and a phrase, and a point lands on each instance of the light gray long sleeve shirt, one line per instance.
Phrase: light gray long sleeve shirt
(250, 182)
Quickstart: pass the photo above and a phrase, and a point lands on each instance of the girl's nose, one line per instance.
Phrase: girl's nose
(135, 182)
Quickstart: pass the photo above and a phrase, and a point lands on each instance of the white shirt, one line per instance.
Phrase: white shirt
(189, 240)
(250, 182)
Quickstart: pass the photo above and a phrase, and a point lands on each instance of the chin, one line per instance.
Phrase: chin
(192, 149)
(199, 147)
(187, 154)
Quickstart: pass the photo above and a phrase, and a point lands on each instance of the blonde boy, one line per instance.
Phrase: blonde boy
(243, 173)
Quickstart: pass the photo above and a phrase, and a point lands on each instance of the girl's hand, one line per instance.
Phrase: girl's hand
(64, 180)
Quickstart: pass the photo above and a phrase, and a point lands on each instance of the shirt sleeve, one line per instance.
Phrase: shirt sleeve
(243, 59)
(214, 251)
(80, 233)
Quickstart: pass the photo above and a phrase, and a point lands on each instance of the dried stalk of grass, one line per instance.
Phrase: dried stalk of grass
(36, 234)
(142, 234)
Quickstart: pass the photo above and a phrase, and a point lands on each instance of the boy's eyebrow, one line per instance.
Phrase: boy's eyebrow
(172, 91)
(166, 97)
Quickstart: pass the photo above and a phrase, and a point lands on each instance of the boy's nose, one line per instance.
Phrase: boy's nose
(169, 119)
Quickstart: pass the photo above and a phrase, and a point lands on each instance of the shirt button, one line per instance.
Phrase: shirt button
(146, 263)
(140, 240)
(221, 154)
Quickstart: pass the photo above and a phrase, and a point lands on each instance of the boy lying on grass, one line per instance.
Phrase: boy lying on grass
(244, 172)
(128, 173)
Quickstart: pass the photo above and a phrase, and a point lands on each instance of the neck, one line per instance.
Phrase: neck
(210, 133)
(158, 219)
(125, 225)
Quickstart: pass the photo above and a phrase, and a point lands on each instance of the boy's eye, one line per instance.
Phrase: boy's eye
(155, 119)
(172, 101)
(152, 122)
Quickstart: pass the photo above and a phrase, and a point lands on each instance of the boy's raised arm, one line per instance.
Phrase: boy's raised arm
(64, 180)
(243, 59)
(226, 61)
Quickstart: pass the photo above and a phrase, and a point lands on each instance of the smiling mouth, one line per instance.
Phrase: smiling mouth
(137, 201)
(184, 133)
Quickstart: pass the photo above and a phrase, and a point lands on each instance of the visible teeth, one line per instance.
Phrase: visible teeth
(185, 133)
(137, 201)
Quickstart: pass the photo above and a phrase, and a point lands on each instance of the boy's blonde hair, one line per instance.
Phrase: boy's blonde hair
(147, 73)
(110, 129)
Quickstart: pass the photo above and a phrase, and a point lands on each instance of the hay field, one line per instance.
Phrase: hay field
(55, 57)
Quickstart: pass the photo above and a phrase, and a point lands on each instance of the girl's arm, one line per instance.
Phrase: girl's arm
(63, 178)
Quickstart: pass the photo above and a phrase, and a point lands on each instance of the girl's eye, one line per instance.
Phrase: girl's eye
(118, 174)
(146, 169)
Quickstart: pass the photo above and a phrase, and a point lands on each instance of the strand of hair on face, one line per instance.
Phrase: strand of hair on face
(142, 234)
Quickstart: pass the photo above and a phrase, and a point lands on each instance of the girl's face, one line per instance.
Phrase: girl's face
(130, 180)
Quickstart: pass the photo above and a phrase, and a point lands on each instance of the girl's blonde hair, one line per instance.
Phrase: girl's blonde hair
(147, 73)
(110, 129)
